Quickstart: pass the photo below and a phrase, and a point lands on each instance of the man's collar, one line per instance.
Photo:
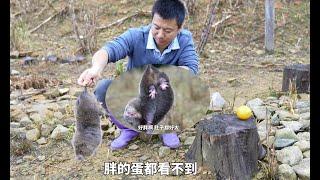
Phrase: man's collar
(152, 45)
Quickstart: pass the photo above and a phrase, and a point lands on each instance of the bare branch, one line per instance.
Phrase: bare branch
(48, 19)
(120, 21)
(75, 25)
(207, 26)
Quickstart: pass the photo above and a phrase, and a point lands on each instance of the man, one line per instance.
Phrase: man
(162, 42)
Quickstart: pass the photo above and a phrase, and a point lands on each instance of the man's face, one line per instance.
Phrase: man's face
(163, 31)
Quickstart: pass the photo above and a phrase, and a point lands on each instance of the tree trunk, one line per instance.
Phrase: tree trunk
(269, 26)
(296, 77)
(228, 146)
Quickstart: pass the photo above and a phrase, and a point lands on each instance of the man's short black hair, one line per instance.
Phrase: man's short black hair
(170, 9)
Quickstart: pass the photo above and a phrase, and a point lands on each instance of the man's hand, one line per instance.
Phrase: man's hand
(89, 77)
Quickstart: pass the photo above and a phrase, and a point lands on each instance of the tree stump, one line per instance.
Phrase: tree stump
(296, 77)
(228, 146)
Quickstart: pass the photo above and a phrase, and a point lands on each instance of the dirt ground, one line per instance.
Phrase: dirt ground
(233, 63)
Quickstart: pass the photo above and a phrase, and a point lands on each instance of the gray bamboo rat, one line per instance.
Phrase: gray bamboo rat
(154, 101)
(88, 133)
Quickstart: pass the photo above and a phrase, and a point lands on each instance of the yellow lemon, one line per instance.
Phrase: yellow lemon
(243, 112)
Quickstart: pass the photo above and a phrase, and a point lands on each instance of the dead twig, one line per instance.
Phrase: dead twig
(17, 14)
(221, 21)
(48, 4)
(207, 26)
(58, 167)
(75, 26)
(255, 65)
(49, 19)
(28, 95)
(120, 21)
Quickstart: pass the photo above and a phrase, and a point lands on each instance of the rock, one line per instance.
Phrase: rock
(19, 132)
(42, 140)
(60, 132)
(46, 130)
(68, 122)
(52, 58)
(25, 122)
(286, 133)
(304, 136)
(260, 112)
(262, 127)
(36, 108)
(306, 154)
(189, 140)
(275, 120)
(66, 97)
(289, 155)
(302, 104)
(287, 116)
(24, 118)
(53, 107)
(17, 114)
(305, 116)
(33, 134)
(217, 102)
(286, 172)
(134, 147)
(305, 124)
(28, 158)
(52, 94)
(293, 125)
(63, 91)
(63, 107)
(282, 143)
(271, 99)
(14, 72)
(14, 54)
(144, 158)
(303, 169)
(28, 60)
(164, 151)
(14, 125)
(58, 115)
(41, 158)
(79, 58)
(35, 117)
(302, 110)
(259, 52)
(14, 102)
(303, 145)
(254, 103)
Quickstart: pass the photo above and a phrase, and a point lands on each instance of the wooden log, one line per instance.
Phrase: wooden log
(229, 147)
(296, 77)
